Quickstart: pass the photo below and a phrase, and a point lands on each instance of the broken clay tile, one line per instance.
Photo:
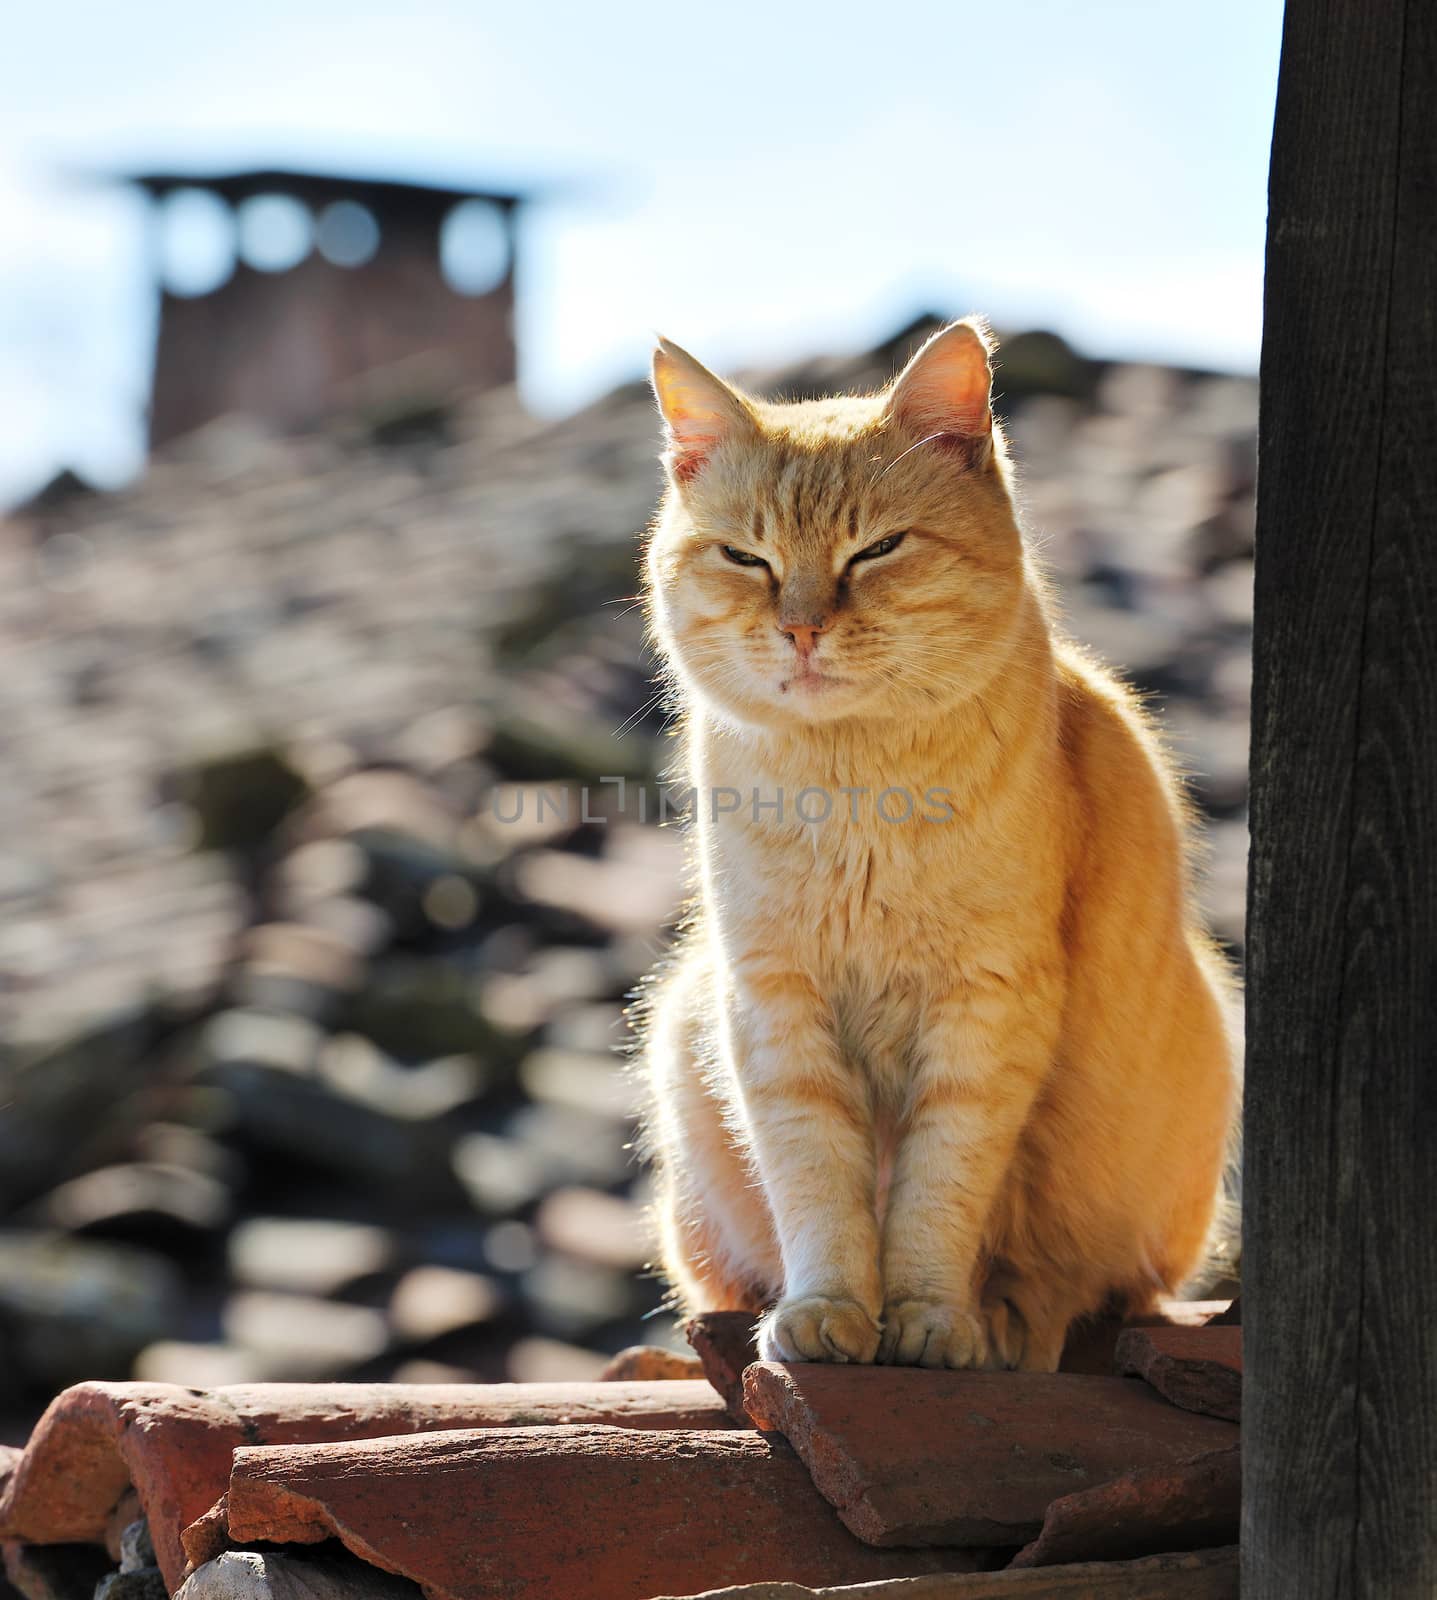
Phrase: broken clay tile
(651, 1363)
(726, 1343)
(71, 1474)
(207, 1537)
(1204, 1575)
(1199, 1369)
(1191, 1506)
(175, 1444)
(551, 1513)
(971, 1458)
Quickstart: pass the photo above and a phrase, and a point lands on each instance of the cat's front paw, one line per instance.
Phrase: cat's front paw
(920, 1333)
(815, 1328)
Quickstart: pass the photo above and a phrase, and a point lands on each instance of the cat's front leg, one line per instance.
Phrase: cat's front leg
(981, 1058)
(810, 1127)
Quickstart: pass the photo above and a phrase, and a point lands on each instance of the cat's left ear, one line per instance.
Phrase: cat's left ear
(699, 410)
(944, 390)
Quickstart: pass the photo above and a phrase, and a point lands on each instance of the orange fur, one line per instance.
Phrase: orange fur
(926, 1090)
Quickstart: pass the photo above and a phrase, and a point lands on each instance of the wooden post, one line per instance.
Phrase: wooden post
(1340, 1232)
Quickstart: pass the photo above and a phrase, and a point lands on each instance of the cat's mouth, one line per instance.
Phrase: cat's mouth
(808, 680)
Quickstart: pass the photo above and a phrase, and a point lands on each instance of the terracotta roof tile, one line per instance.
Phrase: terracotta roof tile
(1188, 1507)
(725, 1343)
(629, 1488)
(175, 1444)
(916, 1457)
(553, 1513)
(1197, 1368)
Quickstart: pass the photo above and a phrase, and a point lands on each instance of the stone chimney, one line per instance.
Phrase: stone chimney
(279, 290)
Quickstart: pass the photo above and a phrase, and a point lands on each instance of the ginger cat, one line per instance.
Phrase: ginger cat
(925, 1089)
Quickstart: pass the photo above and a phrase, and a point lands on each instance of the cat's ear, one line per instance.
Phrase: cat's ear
(699, 410)
(944, 390)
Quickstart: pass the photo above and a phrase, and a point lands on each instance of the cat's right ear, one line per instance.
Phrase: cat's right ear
(699, 410)
(942, 395)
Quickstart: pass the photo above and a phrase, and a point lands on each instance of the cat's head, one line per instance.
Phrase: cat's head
(853, 557)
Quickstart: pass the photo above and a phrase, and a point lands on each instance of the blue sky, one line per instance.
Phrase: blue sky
(758, 180)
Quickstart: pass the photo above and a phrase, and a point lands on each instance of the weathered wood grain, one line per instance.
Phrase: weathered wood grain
(1340, 1249)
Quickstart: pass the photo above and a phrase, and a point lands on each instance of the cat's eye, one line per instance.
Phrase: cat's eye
(880, 547)
(743, 558)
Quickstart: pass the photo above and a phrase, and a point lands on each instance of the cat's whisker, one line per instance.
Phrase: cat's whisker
(637, 716)
(932, 437)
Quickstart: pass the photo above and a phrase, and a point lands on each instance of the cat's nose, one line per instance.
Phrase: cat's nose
(804, 635)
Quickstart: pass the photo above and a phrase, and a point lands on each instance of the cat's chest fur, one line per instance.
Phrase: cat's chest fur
(860, 906)
(882, 890)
